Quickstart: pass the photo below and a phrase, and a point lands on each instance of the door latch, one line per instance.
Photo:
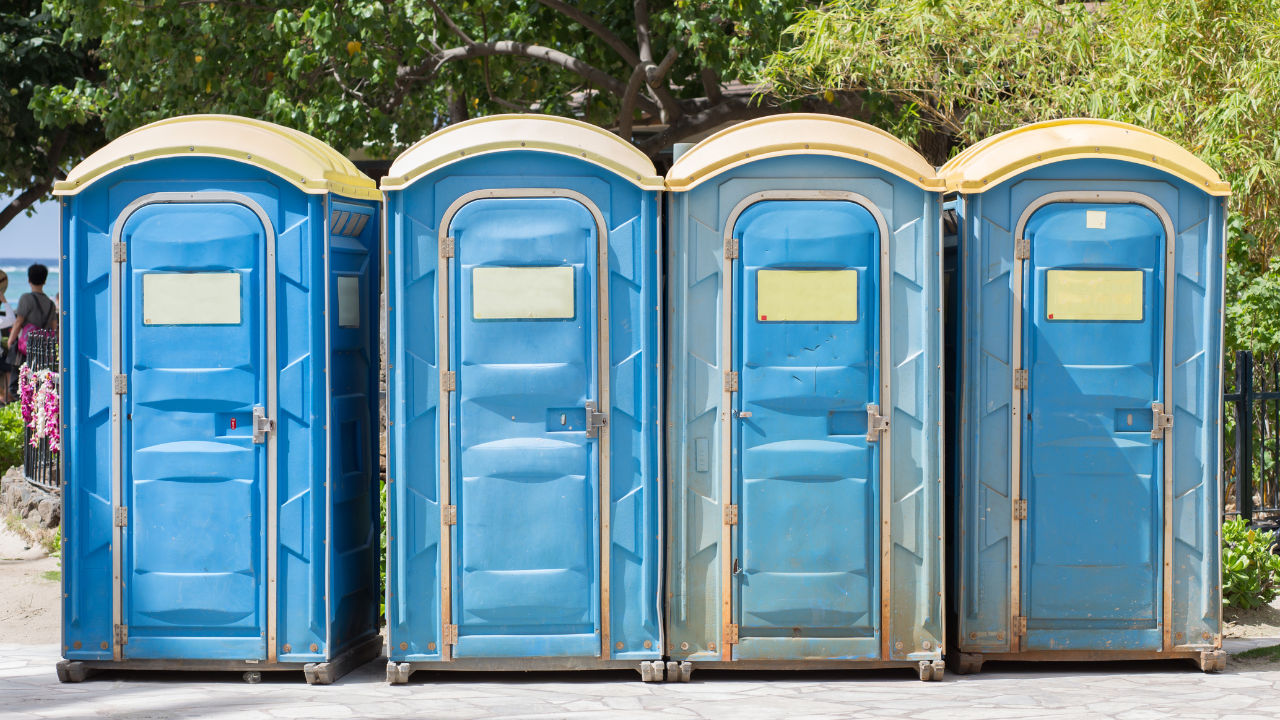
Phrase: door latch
(595, 420)
(876, 423)
(262, 424)
(1161, 421)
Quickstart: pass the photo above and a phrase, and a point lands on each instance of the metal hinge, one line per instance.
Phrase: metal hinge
(876, 423)
(1161, 421)
(1020, 379)
(262, 425)
(730, 248)
(120, 384)
(122, 516)
(595, 419)
(119, 252)
(448, 381)
(446, 247)
(730, 381)
(1022, 249)
(450, 634)
(1019, 509)
(731, 634)
(449, 515)
(122, 634)
(1019, 625)
(730, 514)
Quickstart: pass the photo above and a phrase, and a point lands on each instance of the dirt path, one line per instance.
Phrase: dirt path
(30, 610)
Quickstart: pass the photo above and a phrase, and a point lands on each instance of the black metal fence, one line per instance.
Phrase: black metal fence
(41, 463)
(1251, 439)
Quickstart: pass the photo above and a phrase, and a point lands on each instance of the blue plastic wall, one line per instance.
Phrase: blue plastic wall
(982, 477)
(326, 582)
(696, 265)
(414, 215)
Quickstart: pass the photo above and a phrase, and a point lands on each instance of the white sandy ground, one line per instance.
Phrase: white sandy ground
(29, 636)
(30, 609)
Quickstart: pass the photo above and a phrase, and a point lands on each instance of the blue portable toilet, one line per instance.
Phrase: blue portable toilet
(1090, 396)
(219, 333)
(805, 437)
(523, 479)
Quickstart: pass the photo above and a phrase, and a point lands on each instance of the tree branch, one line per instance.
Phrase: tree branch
(711, 84)
(596, 27)
(626, 114)
(538, 52)
(642, 30)
(448, 21)
(24, 200)
(654, 75)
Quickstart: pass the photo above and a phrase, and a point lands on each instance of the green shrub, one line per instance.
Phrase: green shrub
(1250, 570)
(11, 435)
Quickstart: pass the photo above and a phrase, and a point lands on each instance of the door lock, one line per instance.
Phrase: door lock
(262, 425)
(595, 420)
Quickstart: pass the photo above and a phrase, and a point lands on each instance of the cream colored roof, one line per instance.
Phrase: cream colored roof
(800, 134)
(546, 133)
(1002, 156)
(311, 165)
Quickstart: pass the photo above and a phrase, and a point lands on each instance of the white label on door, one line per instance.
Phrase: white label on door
(1095, 219)
(348, 301)
(518, 293)
(191, 298)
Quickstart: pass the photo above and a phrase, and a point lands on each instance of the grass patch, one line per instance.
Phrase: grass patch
(52, 575)
(1271, 652)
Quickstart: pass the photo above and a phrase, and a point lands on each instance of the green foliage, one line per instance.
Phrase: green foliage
(1203, 72)
(41, 139)
(382, 75)
(12, 435)
(1250, 570)
(1270, 652)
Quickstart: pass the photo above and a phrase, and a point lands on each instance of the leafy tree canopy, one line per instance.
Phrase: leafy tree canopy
(382, 74)
(40, 139)
(1206, 73)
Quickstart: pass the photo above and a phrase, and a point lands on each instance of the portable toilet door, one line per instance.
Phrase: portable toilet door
(219, 489)
(1090, 376)
(523, 470)
(805, 400)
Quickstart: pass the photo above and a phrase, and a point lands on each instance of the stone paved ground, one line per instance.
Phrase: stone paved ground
(1126, 691)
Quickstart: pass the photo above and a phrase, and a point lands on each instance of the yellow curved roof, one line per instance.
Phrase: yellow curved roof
(547, 133)
(1000, 157)
(308, 163)
(800, 134)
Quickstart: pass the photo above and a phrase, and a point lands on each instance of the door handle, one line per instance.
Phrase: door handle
(595, 420)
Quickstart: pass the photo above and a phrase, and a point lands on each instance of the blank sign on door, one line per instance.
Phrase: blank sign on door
(1093, 295)
(191, 298)
(807, 295)
(521, 292)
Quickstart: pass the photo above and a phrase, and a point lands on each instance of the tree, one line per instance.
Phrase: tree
(384, 74)
(1206, 73)
(40, 139)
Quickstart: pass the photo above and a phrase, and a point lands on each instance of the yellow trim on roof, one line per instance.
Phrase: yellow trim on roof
(295, 156)
(546, 133)
(800, 134)
(1000, 157)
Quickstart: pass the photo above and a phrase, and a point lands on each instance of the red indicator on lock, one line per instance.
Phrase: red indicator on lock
(233, 423)
(764, 317)
(1050, 316)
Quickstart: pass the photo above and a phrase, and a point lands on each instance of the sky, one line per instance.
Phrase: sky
(30, 237)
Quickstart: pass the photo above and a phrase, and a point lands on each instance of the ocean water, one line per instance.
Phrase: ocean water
(16, 268)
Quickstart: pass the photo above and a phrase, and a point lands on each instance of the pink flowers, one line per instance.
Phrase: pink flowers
(38, 393)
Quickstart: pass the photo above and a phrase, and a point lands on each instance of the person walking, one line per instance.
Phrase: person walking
(35, 312)
(6, 322)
